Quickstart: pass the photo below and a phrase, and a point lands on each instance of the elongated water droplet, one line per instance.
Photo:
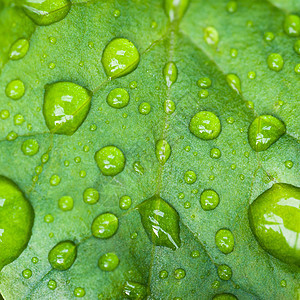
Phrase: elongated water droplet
(297, 47)
(125, 202)
(225, 296)
(205, 125)
(134, 290)
(274, 219)
(108, 262)
(224, 272)
(16, 220)
(163, 151)
(66, 106)
(175, 9)
(170, 73)
(120, 57)
(46, 12)
(204, 82)
(234, 82)
(291, 25)
(275, 62)
(224, 240)
(264, 131)
(211, 36)
(110, 160)
(18, 49)
(105, 226)
(15, 89)
(161, 222)
(118, 98)
(169, 107)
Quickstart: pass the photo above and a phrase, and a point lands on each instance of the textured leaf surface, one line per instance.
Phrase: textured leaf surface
(80, 40)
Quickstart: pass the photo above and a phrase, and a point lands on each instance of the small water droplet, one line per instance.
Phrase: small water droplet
(175, 9)
(224, 272)
(211, 36)
(52, 285)
(108, 262)
(209, 200)
(269, 36)
(289, 164)
(15, 89)
(204, 82)
(190, 177)
(203, 94)
(125, 202)
(233, 53)
(283, 283)
(225, 296)
(215, 153)
(163, 151)
(30, 147)
(138, 168)
(170, 73)
(27, 273)
(224, 240)
(251, 75)
(144, 108)
(297, 46)
(118, 98)
(105, 226)
(275, 62)
(231, 6)
(91, 196)
(169, 107)
(117, 13)
(18, 49)
(163, 274)
(79, 292)
(179, 274)
(4, 114)
(55, 180)
(234, 82)
(134, 290)
(291, 25)
(66, 203)
(62, 255)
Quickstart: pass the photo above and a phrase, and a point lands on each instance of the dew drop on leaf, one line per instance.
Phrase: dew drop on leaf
(120, 57)
(264, 131)
(297, 46)
(46, 12)
(15, 89)
(52, 285)
(275, 62)
(204, 82)
(190, 177)
(55, 180)
(175, 9)
(134, 290)
(125, 202)
(269, 36)
(18, 49)
(144, 108)
(162, 151)
(215, 153)
(110, 160)
(11, 136)
(224, 240)
(18, 119)
(169, 107)
(234, 82)
(179, 274)
(291, 25)
(211, 36)
(66, 203)
(4, 114)
(66, 106)
(91, 196)
(161, 222)
(108, 262)
(205, 125)
(105, 225)
(30, 147)
(209, 200)
(231, 6)
(224, 272)
(225, 296)
(203, 94)
(274, 219)
(27, 273)
(138, 168)
(163, 274)
(118, 98)
(62, 255)
(16, 221)
(170, 73)
(79, 292)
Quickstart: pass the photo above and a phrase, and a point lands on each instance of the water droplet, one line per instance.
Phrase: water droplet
(211, 36)
(231, 6)
(138, 168)
(79, 292)
(163, 274)
(190, 177)
(163, 151)
(48, 218)
(297, 47)
(55, 180)
(169, 107)
(269, 36)
(35, 260)
(251, 75)
(118, 98)
(224, 240)
(66, 203)
(66, 106)
(18, 119)
(224, 272)
(179, 274)
(45, 158)
(4, 114)
(46, 12)
(110, 160)
(27, 273)
(225, 296)
(11, 136)
(215, 153)
(283, 283)
(291, 25)
(204, 82)
(15, 89)
(108, 262)
(234, 82)
(91, 196)
(264, 131)
(125, 202)
(52, 285)
(18, 49)
(144, 108)
(105, 225)
(274, 219)
(233, 53)
(134, 290)
(170, 73)
(289, 164)
(52, 40)
(275, 62)
(62, 255)
(297, 69)
(209, 200)
(203, 94)
(30, 147)
(93, 127)
(16, 220)
(120, 57)
(161, 222)
(117, 13)
(205, 125)
(195, 254)
(175, 9)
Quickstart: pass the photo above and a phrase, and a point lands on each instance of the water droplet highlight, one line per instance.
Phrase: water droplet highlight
(224, 272)
(134, 290)
(169, 107)
(66, 203)
(91, 196)
(291, 25)
(30, 147)
(175, 9)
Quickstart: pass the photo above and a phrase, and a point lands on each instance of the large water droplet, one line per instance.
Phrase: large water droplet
(120, 57)
(18, 49)
(15, 89)
(30, 147)
(46, 12)
(291, 25)
(275, 62)
(66, 105)
(66, 203)
(62, 255)
(108, 261)
(209, 200)
(110, 160)
(161, 222)
(224, 272)
(118, 98)
(163, 151)
(170, 73)
(205, 125)
(224, 240)
(105, 226)
(91, 196)
(175, 9)
(264, 131)
(16, 220)
(211, 36)
(134, 290)
(234, 82)
(274, 219)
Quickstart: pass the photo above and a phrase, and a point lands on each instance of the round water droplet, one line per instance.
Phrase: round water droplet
(274, 219)
(234, 82)
(66, 203)
(225, 296)
(30, 147)
(52, 285)
(297, 47)
(269, 36)
(11, 136)
(15, 89)
(179, 274)
(224, 240)
(108, 261)
(233, 53)
(118, 98)
(275, 62)
(105, 226)
(49, 218)
(18, 119)
(125, 202)
(175, 9)
(190, 177)
(144, 108)
(27, 273)
(209, 200)
(251, 75)
(163, 274)
(91, 196)
(55, 180)
(62, 256)
(205, 125)
(46, 12)
(204, 82)
(169, 107)
(289, 164)
(162, 151)
(4, 114)
(66, 106)
(291, 25)
(16, 220)
(134, 290)
(18, 49)
(120, 57)
(79, 292)
(231, 6)
(297, 69)
(211, 36)
(224, 272)
(283, 283)
(264, 131)
(170, 73)
(110, 160)
(215, 153)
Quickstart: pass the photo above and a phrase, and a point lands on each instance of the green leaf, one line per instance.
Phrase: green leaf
(185, 58)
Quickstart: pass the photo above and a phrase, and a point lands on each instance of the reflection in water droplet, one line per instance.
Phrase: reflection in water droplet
(163, 151)
(224, 272)
(175, 9)
(108, 262)
(224, 240)
(169, 107)
(18, 49)
(211, 36)
(275, 62)
(15, 89)
(134, 290)
(118, 98)
(105, 225)
(30, 147)
(209, 200)
(170, 73)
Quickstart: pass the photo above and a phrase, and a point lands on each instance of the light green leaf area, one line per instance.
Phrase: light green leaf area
(238, 176)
